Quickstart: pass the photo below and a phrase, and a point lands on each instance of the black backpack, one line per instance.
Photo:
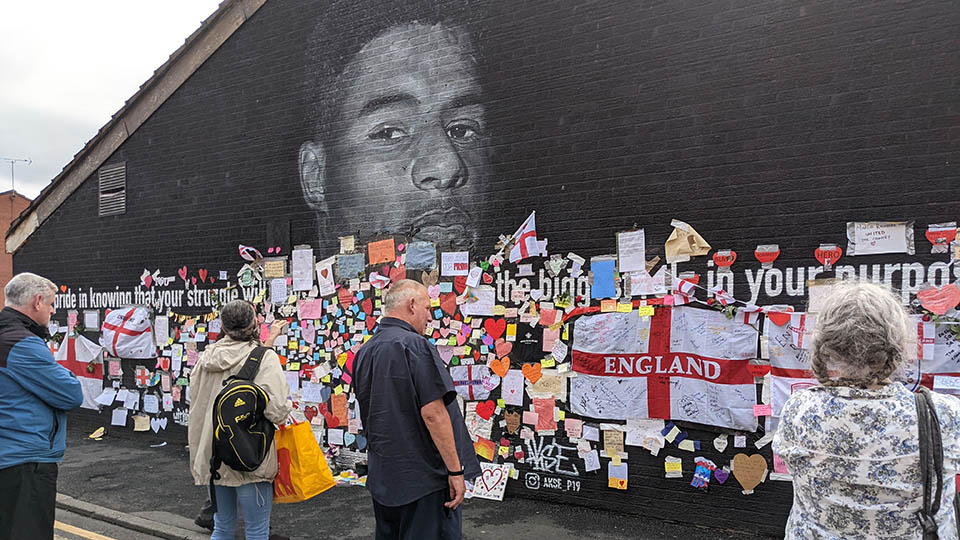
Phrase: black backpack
(242, 435)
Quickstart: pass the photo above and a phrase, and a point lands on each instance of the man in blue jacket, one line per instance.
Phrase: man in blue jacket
(35, 395)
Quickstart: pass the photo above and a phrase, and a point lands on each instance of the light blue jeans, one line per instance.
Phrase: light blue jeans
(254, 501)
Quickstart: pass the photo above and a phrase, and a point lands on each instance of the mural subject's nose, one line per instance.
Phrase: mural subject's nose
(438, 165)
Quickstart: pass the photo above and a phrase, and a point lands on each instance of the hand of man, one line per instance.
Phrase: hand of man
(457, 490)
(277, 327)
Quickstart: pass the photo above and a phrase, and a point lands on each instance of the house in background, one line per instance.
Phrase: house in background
(11, 204)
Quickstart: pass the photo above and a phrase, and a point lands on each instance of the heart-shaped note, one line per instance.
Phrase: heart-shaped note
(720, 443)
(460, 284)
(518, 455)
(495, 327)
(310, 412)
(532, 372)
(749, 470)
(486, 408)
(759, 370)
(824, 255)
(536, 294)
(156, 424)
(555, 264)
(367, 306)
(430, 278)
(371, 322)
(503, 348)
(500, 366)
(63, 288)
(487, 278)
(202, 273)
(345, 296)
(433, 291)
(442, 332)
(939, 301)
(349, 438)
(448, 303)
(513, 422)
(182, 272)
(397, 273)
(193, 280)
(725, 258)
(766, 256)
(721, 475)
(462, 336)
(446, 353)
(361, 442)
(487, 340)
(331, 420)
(941, 236)
(779, 318)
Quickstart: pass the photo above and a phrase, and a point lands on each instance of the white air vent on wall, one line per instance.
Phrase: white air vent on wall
(113, 189)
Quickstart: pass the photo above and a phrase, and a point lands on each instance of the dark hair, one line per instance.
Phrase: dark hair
(346, 26)
(240, 320)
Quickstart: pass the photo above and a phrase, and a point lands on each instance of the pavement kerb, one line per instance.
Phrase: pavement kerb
(127, 521)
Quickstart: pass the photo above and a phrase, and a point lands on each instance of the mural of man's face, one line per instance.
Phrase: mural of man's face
(407, 151)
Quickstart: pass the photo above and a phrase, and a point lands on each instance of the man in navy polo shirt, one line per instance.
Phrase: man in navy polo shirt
(419, 450)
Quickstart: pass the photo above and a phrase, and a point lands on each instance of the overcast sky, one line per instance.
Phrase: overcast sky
(67, 66)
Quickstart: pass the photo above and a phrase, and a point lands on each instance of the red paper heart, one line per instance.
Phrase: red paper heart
(147, 282)
(182, 272)
(310, 412)
(833, 254)
(322, 408)
(397, 273)
(766, 256)
(202, 273)
(345, 296)
(495, 327)
(211, 279)
(940, 301)
(63, 288)
(324, 272)
(448, 303)
(331, 420)
(487, 278)
(518, 455)
(779, 318)
(371, 323)
(193, 280)
(460, 284)
(367, 306)
(941, 238)
(503, 348)
(485, 409)
(725, 260)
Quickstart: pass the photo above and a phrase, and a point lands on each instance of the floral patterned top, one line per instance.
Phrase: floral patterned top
(855, 459)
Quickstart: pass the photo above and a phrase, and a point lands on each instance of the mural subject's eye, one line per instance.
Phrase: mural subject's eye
(387, 134)
(463, 130)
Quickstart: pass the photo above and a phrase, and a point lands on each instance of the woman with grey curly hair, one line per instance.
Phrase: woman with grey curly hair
(250, 492)
(851, 443)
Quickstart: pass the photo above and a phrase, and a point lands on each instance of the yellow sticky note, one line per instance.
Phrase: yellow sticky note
(645, 311)
(562, 414)
(499, 310)
(452, 341)
(326, 378)
(617, 483)
(293, 366)
(687, 445)
(607, 306)
(624, 307)
(548, 362)
(672, 435)
(673, 466)
(292, 299)
(377, 303)
(501, 403)
(466, 320)
(259, 297)
(342, 360)
(367, 337)
(504, 451)
(615, 459)
(566, 333)
(466, 350)
(511, 331)
(434, 302)
(338, 390)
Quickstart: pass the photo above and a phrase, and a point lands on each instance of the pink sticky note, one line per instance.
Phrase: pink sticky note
(763, 410)
(668, 300)
(264, 332)
(780, 467)
(530, 417)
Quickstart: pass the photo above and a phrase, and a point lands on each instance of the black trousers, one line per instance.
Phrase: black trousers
(424, 519)
(28, 499)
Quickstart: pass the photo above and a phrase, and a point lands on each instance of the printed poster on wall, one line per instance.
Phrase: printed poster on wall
(878, 237)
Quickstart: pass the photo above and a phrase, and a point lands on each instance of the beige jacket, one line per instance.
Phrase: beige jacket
(217, 362)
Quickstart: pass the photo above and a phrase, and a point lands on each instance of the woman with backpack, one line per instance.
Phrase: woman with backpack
(240, 482)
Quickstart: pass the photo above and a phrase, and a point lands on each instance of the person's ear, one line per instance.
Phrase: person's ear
(313, 161)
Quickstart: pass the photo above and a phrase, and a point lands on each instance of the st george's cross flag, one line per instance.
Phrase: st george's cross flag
(682, 363)
(82, 357)
(525, 240)
(126, 333)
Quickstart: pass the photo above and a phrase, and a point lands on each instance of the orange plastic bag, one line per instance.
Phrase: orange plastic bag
(302, 470)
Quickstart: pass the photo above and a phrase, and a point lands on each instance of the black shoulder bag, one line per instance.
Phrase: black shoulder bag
(931, 466)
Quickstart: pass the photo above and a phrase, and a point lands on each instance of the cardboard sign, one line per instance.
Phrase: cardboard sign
(492, 482)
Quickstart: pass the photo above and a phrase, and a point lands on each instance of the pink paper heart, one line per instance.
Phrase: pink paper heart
(434, 291)
(446, 353)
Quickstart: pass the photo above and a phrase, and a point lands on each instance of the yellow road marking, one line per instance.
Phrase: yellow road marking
(79, 532)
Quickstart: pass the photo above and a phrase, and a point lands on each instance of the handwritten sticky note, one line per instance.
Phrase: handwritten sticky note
(763, 410)
(381, 251)
(607, 306)
(673, 467)
(347, 244)
(645, 311)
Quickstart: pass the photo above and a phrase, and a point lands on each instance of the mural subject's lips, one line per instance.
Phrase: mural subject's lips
(446, 226)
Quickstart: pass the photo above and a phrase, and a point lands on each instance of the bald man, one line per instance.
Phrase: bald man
(419, 449)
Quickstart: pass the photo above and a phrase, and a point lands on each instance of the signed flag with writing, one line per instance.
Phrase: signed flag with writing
(683, 363)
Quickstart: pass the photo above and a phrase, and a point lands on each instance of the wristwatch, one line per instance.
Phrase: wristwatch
(455, 473)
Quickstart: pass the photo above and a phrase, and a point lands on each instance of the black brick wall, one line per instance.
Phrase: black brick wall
(755, 121)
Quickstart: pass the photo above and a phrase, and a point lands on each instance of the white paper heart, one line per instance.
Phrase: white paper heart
(349, 438)
(156, 424)
(720, 443)
(536, 294)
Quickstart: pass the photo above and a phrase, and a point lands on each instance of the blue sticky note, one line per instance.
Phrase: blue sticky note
(293, 325)
(437, 314)
(362, 316)
(359, 296)
(446, 286)
(341, 328)
(603, 278)
(316, 356)
(355, 308)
